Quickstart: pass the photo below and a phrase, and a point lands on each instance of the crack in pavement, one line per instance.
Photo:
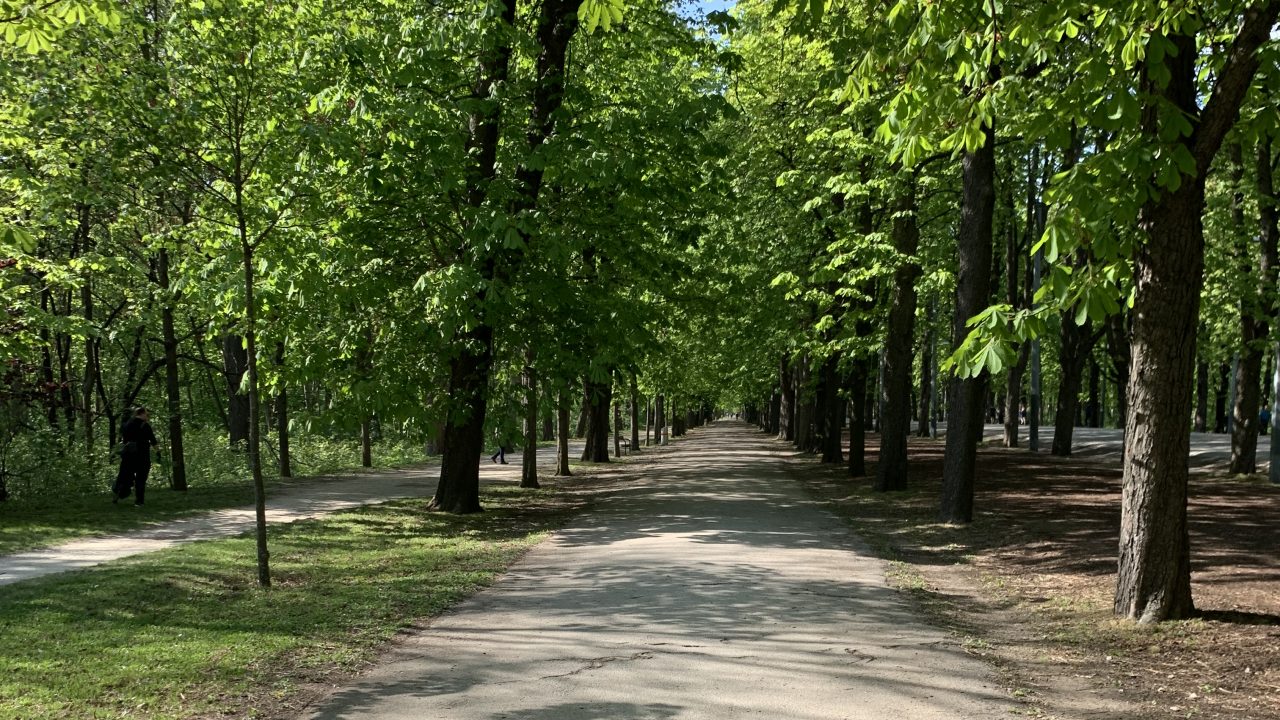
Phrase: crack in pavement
(597, 663)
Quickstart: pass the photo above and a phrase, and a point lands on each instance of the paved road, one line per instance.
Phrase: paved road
(295, 502)
(711, 588)
(1208, 451)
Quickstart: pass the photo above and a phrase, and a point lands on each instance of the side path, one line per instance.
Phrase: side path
(710, 588)
(295, 502)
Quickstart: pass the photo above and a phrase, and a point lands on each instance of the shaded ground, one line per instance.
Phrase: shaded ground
(1045, 544)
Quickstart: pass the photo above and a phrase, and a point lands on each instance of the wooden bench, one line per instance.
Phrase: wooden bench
(626, 446)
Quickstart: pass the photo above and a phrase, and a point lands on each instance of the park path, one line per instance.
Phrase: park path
(709, 587)
(302, 500)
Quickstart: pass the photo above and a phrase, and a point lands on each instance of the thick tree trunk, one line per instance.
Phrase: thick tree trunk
(529, 461)
(787, 401)
(895, 393)
(235, 362)
(1154, 578)
(973, 292)
(458, 490)
(599, 396)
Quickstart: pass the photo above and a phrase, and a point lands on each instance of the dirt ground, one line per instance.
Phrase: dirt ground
(1031, 582)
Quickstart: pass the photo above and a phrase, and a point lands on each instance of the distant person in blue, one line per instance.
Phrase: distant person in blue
(1264, 421)
(135, 458)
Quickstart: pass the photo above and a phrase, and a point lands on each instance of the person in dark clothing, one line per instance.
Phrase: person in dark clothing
(499, 457)
(135, 458)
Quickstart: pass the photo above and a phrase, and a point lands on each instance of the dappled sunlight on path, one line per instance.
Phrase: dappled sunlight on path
(710, 587)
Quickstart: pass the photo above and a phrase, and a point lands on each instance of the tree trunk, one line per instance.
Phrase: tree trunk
(562, 435)
(832, 408)
(599, 396)
(787, 401)
(1076, 346)
(805, 407)
(366, 441)
(529, 461)
(1154, 578)
(1093, 409)
(255, 428)
(172, 384)
(858, 419)
(973, 292)
(1220, 398)
(617, 428)
(1254, 326)
(659, 419)
(895, 426)
(282, 418)
(1202, 397)
(635, 415)
(235, 361)
(458, 490)
(548, 419)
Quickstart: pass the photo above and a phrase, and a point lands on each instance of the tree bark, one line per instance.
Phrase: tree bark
(599, 396)
(366, 441)
(172, 381)
(1202, 397)
(562, 435)
(529, 461)
(635, 415)
(1154, 578)
(973, 291)
(617, 428)
(787, 401)
(235, 362)
(282, 418)
(1076, 346)
(832, 407)
(895, 393)
(1254, 327)
(858, 420)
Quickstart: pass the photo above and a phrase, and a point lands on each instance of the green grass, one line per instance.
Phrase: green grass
(77, 503)
(186, 632)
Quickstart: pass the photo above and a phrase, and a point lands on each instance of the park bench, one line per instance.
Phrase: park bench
(626, 446)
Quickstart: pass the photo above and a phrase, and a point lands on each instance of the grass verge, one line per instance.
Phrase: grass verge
(46, 521)
(186, 632)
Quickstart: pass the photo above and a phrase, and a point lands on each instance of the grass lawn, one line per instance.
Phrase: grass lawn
(187, 633)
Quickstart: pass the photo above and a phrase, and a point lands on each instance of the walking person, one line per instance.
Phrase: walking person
(499, 457)
(135, 458)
